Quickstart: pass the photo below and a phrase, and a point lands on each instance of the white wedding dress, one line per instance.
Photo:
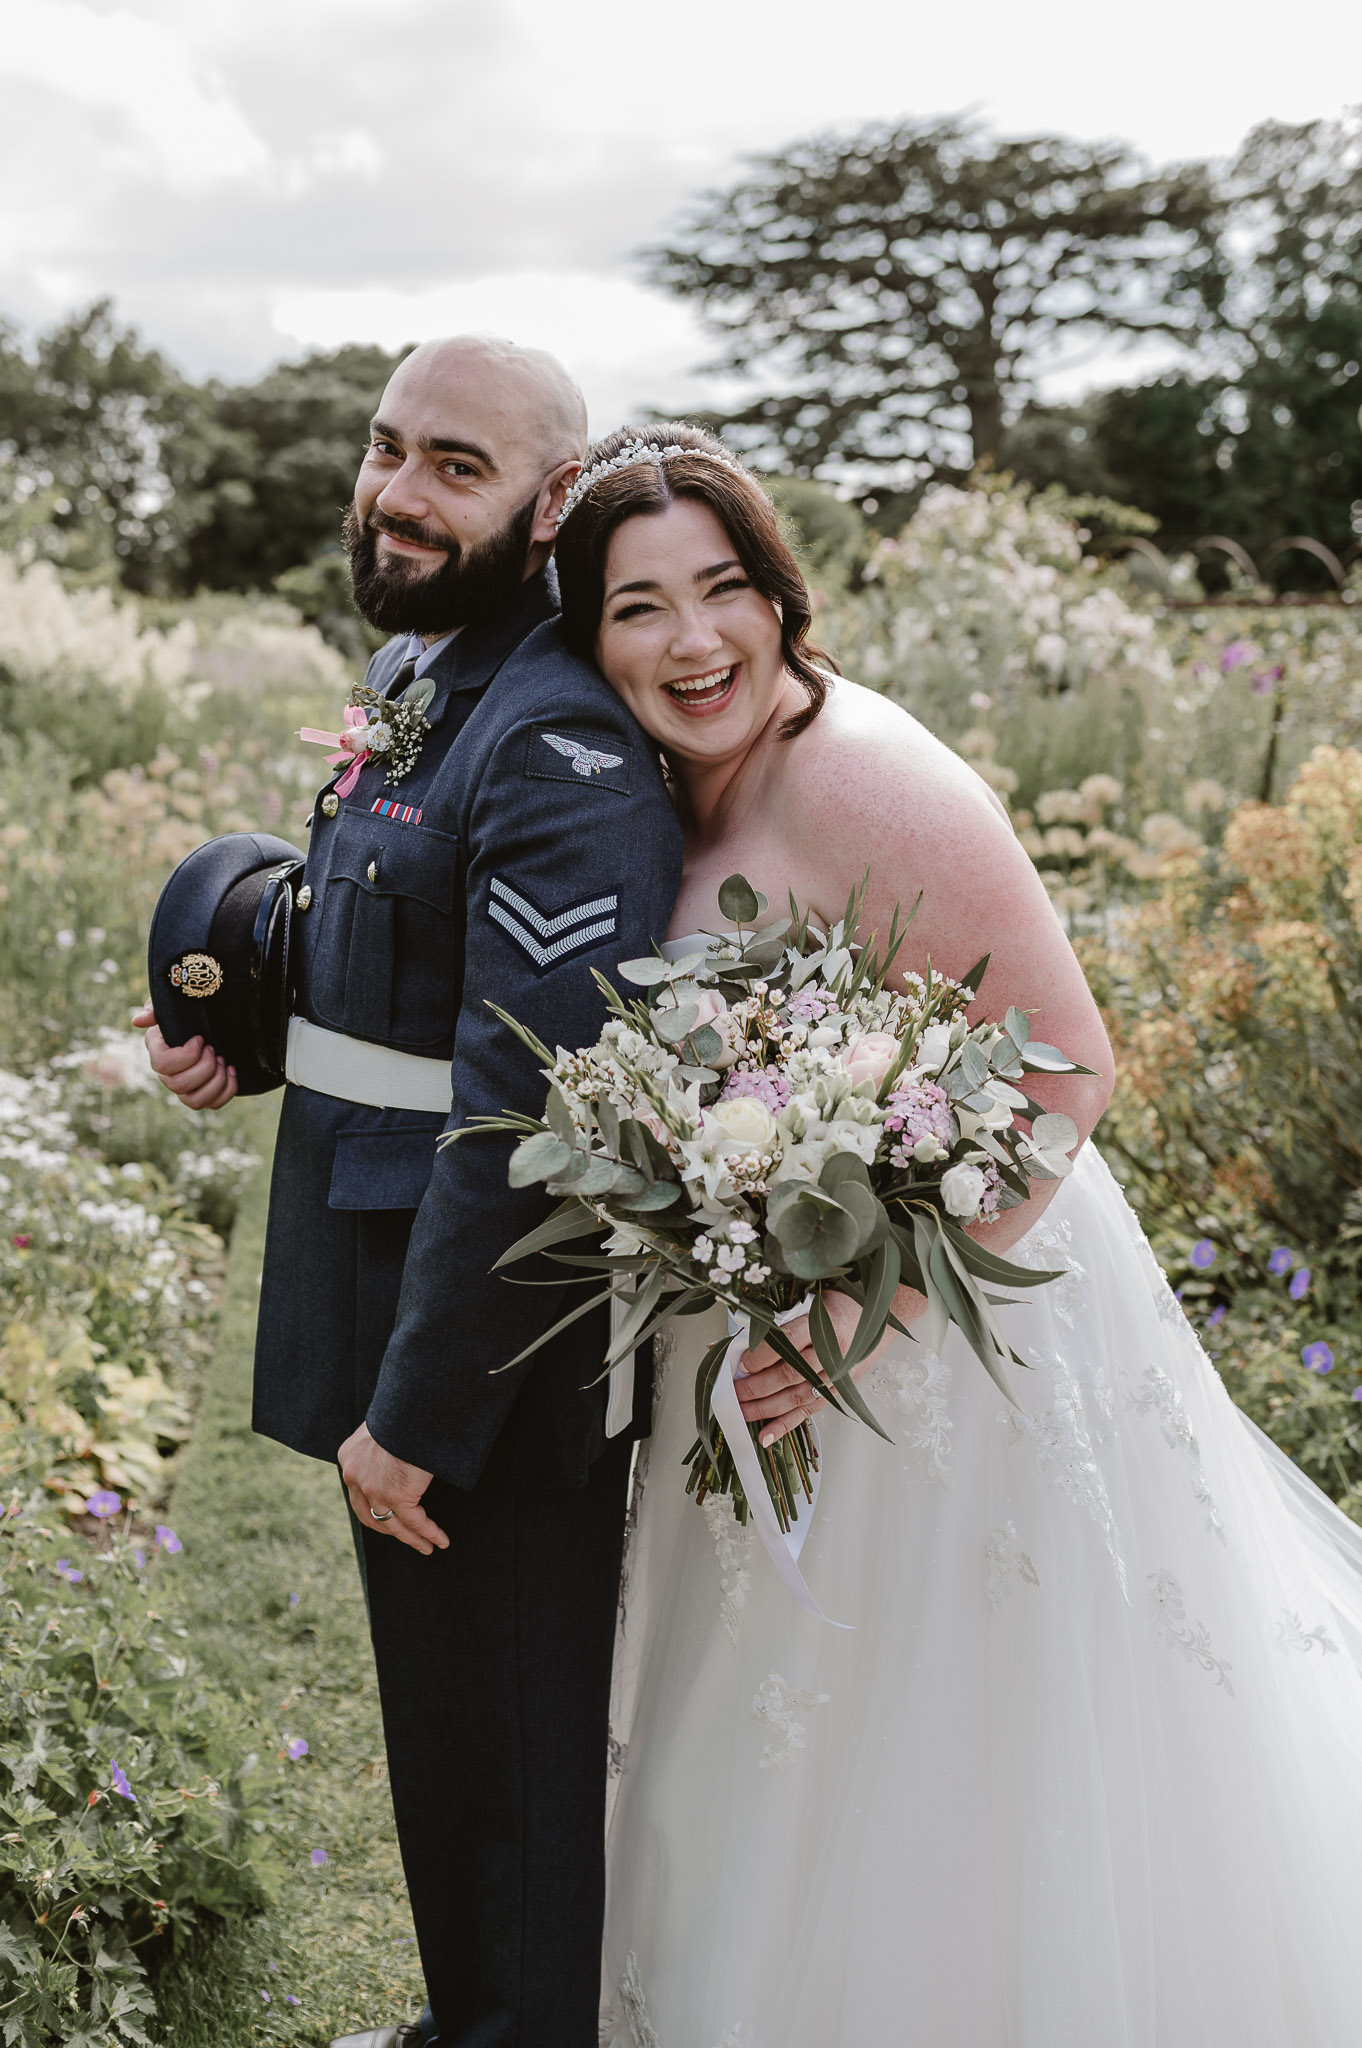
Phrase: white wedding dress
(1086, 1771)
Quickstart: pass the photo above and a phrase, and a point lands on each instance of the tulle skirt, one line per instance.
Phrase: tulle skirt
(1086, 1769)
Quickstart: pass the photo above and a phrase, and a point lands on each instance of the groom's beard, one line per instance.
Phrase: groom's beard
(472, 584)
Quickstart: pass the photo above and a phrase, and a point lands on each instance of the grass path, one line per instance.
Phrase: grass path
(267, 1588)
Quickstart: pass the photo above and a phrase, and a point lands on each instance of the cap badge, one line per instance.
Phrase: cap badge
(196, 974)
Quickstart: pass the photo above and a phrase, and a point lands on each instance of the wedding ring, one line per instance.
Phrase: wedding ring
(386, 1516)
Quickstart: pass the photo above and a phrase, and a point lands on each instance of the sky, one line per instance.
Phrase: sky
(248, 179)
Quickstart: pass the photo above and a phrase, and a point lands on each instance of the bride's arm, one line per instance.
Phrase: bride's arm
(900, 802)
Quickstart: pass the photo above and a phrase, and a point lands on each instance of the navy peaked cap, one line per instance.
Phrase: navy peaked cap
(218, 954)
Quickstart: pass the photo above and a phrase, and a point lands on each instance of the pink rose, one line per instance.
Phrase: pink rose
(870, 1057)
(710, 1006)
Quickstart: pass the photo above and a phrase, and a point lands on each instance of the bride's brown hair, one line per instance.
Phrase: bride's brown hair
(706, 472)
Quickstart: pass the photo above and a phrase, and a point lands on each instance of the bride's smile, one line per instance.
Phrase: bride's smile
(692, 647)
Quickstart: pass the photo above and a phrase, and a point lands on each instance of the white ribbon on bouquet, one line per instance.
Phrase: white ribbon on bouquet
(783, 1546)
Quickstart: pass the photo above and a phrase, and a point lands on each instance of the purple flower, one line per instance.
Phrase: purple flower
(1281, 1261)
(1203, 1254)
(293, 1599)
(103, 1503)
(167, 1539)
(294, 1747)
(289, 1998)
(66, 1570)
(1318, 1357)
(266, 1996)
(1357, 1393)
(139, 1558)
(319, 1855)
(1300, 1284)
(771, 1089)
(1234, 655)
(1217, 1314)
(120, 1783)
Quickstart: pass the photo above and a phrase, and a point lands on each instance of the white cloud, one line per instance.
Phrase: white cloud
(250, 175)
(170, 116)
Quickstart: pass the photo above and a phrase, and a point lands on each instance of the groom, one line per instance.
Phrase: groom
(489, 1503)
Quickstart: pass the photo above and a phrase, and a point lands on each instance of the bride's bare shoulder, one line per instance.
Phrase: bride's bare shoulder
(866, 765)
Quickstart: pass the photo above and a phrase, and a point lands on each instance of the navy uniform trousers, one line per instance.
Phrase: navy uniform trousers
(532, 842)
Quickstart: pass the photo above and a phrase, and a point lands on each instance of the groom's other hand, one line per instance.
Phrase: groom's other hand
(199, 1076)
(377, 1482)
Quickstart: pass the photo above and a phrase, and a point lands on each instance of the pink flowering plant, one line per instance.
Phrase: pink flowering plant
(776, 1116)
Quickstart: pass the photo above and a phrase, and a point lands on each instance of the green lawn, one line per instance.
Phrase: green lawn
(259, 1526)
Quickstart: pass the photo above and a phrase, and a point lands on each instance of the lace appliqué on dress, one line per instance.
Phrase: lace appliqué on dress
(916, 1382)
(629, 1990)
(1171, 1626)
(1065, 1458)
(1292, 1634)
(1006, 1560)
(1046, 1245)
(733, 1545)
(775, 1704)
(1157, 1395)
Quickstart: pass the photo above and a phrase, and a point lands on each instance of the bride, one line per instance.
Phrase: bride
(1082, 1768)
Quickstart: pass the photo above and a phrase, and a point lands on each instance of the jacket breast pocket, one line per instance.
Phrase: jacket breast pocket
(387, 963)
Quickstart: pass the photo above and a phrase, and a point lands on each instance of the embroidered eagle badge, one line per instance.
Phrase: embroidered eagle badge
(585, 760)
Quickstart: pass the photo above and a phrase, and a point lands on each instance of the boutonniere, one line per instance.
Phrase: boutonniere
(391, 730)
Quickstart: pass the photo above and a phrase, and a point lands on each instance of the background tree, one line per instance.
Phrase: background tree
(899, 288)
(84, 417)
(264, 471)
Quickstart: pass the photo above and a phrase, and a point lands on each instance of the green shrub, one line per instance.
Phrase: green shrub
(126, 1792)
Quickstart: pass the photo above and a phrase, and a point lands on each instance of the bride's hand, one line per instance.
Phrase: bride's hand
(774, 1393)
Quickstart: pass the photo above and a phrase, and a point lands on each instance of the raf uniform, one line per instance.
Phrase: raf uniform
(532, 841)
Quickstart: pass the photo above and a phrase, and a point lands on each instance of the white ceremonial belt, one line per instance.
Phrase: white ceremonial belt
(331, 1064)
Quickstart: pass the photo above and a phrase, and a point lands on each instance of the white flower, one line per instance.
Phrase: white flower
(927, 1149)
(730, 1258)
(962, 1190)
(757, 1274)
(66, 940)
(933, 1049)
(378, 736)
(702, 1251)
(745, 1120)
(624, 1243)
(742, 1233)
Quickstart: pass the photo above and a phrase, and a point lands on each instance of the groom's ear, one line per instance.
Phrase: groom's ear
(552, 492)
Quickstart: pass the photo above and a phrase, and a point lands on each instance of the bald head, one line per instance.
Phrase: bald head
(535, 405)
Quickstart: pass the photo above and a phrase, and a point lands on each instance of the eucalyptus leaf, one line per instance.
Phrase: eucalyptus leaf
(659, 1194)
(645, 973)
(1040, 1058)
(559, 1118)
(672, 1026)
(418, 693)
(739, 902)
(1018, 1026)
(974, 1063)
(568, 1221)
(706, 1044)
(1054, 1131)
(605, 1177)
(538, 1158)
(565, 1180)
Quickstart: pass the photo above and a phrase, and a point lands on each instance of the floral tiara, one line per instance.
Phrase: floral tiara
(631, 453)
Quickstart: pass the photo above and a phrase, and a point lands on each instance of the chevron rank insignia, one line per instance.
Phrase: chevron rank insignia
(599, 760)
(548, 940)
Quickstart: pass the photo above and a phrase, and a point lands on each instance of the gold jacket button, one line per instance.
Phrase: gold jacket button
(330, 805)
(304, 897)
(373, 871)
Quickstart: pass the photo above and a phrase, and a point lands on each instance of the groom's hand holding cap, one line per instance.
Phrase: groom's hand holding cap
(199, 1076)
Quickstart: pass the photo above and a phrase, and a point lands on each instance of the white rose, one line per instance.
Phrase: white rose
(962, 1190)
(746, 1121)
(933, 1048)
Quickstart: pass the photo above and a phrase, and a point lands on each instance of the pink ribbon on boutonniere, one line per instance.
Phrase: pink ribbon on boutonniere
(350, 744)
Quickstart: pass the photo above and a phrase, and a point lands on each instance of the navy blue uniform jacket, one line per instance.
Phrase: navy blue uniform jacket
(533, 841)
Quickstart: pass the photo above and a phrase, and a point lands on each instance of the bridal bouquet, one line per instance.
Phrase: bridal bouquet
(774, 1117)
